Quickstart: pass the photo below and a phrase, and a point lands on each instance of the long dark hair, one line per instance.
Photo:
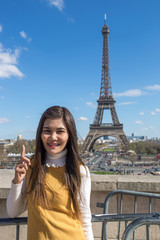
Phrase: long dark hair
(73, 160)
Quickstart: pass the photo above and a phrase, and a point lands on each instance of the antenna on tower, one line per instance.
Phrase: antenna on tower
(105, 18)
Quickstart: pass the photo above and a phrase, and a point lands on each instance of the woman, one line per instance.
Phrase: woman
(54, 185)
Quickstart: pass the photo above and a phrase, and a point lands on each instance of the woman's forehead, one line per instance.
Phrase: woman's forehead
(54, 123)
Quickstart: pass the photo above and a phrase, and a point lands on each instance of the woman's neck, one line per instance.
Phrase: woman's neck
(56, 160)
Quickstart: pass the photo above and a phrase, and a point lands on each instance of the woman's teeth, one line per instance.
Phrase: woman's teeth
(53, 145)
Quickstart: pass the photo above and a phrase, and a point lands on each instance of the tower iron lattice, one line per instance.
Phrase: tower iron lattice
(105, 102)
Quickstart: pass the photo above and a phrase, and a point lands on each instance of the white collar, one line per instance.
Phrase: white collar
(57, 160)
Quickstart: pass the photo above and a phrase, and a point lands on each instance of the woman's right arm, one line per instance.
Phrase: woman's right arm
(16, 201)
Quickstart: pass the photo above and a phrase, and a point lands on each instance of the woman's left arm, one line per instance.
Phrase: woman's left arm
(85, 202)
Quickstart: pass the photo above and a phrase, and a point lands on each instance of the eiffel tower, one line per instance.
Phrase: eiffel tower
(105, 102)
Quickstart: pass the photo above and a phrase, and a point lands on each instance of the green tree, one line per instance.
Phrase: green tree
(147, 147)
(17, 146)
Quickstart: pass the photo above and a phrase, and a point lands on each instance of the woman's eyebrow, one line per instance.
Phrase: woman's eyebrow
(61, 128)
(46, 127)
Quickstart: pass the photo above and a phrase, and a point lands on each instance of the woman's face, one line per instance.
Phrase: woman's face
(54, 135)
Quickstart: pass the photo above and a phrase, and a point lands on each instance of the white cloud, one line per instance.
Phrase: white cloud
(126, 103)
(28, 131)
(148, 128)
(31, 131)
(70, 19)
(57, 3)
(129, 93)
(7, 57)
(141, 113)
(137, 92)
(2, 97)
(153, 87)
(93, 94)
(8, 62)
(139, 122)
(90, 104)
(29, 40)
(24, 35)
(83, 119)
(8, 70)
(1, 28)
(153, 113)
(3, 120)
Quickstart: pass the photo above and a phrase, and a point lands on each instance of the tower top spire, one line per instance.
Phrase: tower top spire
(105, 28)
(105, 19)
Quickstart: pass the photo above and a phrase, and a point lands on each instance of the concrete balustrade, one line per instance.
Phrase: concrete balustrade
(101, 186)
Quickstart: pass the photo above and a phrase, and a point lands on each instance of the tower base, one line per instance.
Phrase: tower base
(105, 130)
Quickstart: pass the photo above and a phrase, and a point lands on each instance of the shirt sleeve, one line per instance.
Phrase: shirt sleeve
(16, 201)
(85, 192)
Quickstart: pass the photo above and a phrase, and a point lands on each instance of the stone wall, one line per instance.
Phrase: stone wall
(101, 186)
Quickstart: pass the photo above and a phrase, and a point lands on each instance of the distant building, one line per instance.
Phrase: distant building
(19, 138)
(4, 143)
(134, 138)
(105, 137)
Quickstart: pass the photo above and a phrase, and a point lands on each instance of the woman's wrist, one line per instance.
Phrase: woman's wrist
(16, 181)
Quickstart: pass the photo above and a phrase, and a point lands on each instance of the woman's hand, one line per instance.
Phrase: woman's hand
(21, 167)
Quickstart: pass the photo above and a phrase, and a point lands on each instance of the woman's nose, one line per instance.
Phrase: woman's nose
(53, 135)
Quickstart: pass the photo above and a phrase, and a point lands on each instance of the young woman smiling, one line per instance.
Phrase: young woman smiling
(54, 185)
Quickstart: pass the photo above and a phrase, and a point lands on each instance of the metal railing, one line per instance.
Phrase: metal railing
(147, 221)
(136, 219)
(119, 217)
(14, 221)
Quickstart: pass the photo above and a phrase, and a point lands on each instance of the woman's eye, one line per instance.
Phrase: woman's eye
(46, 131)
(60, 131)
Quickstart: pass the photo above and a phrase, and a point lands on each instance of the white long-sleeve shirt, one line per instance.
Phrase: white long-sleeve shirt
(17, 201)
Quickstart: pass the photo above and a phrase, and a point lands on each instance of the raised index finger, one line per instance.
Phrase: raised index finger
(23, 158)
(23, 151)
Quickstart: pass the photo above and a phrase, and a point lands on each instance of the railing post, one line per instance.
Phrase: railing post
(17, 232)
(148, 232)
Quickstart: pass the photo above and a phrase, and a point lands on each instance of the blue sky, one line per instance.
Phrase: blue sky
(51, 54)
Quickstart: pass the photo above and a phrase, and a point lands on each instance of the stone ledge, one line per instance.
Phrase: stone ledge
(100, 183)
(145, 183)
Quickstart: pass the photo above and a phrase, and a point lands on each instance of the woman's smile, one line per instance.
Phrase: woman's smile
(53, 145)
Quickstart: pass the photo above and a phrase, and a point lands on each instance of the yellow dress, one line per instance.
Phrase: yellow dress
(59, 223)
